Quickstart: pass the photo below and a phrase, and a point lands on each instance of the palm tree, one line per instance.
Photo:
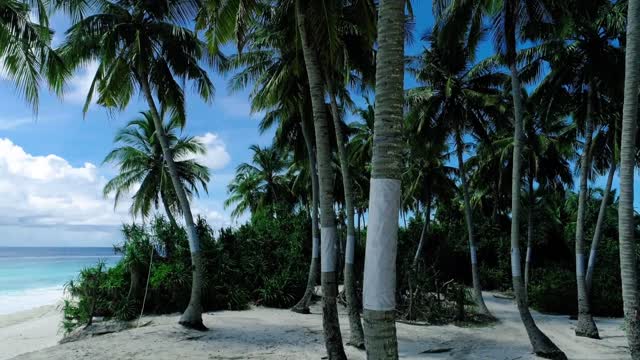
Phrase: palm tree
(459, 95)
(260, 183)
(628, 268)
(384, 204)
(146, 46)
(328, 238)
(141, 162)
(26, 56)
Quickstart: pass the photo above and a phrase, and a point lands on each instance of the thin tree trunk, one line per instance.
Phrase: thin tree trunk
(333, 337)
(586, 327)
(169, 243)
(527, 261)
(468, 216)
(597, 234)
(384, 199)
(542, 345)
(192, 316)
(628, 267)
(303, 305)
(355, 325)
(425, 229)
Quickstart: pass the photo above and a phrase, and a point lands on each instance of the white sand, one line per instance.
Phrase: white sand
(29, 330)
(262, 333)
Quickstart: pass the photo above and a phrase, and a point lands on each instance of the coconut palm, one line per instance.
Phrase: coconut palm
(384, 203)
(461, 96)
(260, 183)
(146, 46)
(141, 162)
(628, 268)
(328, 233)
(27, 57)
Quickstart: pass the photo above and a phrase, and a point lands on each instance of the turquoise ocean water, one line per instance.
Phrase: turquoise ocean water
(35, 276)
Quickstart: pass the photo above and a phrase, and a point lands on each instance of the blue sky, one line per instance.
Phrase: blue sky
(51, 172)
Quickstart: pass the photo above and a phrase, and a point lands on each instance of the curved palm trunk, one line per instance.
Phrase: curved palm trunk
(527, 261)
(328, 277)
(597, 234)
(192, 316)
(628, 267)
(586, 326)
(542, 345)
(303, 305)
(425, 229)
(169, 244)
(468, 216)
(355, 325)
(384, 196)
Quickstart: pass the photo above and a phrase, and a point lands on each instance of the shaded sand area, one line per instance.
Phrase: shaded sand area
(262, 333)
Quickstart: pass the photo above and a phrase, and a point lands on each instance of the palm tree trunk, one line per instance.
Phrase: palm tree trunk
(169, 243)
(586, 327)
(628, 268)
(192, 316)
(384, 201)
(542, 345)
(468, 216)
(597, 234)
(527, 261)
(425, 228)
(303, 305)
(328, 277)
(355, 325)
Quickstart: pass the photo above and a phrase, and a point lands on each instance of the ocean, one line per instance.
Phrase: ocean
(35, 276)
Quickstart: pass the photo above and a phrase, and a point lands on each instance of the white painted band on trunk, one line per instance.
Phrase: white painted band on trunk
(528, 254)
(515, 262)
(351, 249)
(474, 255)
(579, 264)
(328, 249)
(192, 246)
(592, 258)
(382, 237)
(315, 248)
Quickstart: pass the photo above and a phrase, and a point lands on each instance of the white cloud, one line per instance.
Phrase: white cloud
(80, 83)
(217, 156)
(47, 191)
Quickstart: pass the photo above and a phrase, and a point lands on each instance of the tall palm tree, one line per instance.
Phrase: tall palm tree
(328, 233)
(459, 95)
(509, 18)
(628, 268)
(385, 194)
(141, 162)
(146, 46)
(26, 55)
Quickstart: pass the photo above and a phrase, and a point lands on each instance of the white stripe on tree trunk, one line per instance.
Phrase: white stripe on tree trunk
(382, 235)
(351, 249)
(515, 262)
(328, 249)
(474, 255)
(315, 250)
(579, 264)
(528, 254)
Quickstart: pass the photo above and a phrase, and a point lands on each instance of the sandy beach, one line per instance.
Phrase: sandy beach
(263, 333)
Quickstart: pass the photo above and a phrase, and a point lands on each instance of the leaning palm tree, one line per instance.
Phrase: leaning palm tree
(328, 232)
(26, 56)
(509, 18)
(384, 204)
(146, 46)
(628, 268)
(141, 162)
